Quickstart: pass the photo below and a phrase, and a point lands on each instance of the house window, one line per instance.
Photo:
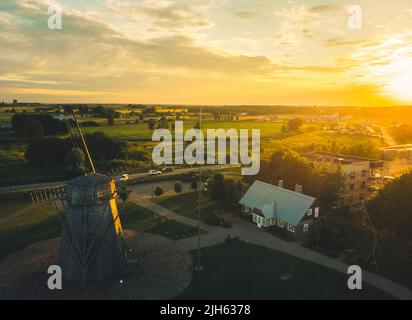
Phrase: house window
(310, 212)
(281, 224)
(291, 228)
(316, 212)
(255, 218)
(247, 209)
(306, 227)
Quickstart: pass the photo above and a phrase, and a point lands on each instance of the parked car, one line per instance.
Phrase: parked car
(154, 172)
(124, 177)
(168, 169)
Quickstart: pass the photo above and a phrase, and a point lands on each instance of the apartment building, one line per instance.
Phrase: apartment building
(362, 176)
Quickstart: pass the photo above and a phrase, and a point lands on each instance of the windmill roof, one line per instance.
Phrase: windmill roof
(92, 179)
(276, 202)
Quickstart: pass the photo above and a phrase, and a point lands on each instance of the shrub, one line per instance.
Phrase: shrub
(178, 187)
(158, 191)
(212, 219)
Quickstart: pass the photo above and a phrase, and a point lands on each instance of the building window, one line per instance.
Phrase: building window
(306, 227)
(352, 187)
(310, 212)
(363, 184)
(316, 212)
(291, 228)
(281, 224)
(255, 218)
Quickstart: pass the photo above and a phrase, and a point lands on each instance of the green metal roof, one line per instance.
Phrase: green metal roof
(276, 202)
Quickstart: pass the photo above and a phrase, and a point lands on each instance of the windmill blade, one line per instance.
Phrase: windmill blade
(84, 143)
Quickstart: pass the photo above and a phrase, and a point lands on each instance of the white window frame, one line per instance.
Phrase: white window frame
(291, 228)
(310, 212)
(317, 212)
(306, 227)
(280, 224)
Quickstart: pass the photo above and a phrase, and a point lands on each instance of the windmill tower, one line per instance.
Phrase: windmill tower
(91, 247)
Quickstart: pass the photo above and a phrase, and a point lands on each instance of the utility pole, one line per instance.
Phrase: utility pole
(198, 266)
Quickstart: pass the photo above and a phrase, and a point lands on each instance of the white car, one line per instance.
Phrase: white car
(154, 172)
(124, 177)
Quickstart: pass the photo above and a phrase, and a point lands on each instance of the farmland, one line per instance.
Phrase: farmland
(138, 136)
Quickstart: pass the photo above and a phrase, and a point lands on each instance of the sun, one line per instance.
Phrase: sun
(388, 65)
(400, 87)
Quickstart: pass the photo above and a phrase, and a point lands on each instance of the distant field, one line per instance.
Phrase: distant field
(14, 170)
(141, 131)
(318, 138)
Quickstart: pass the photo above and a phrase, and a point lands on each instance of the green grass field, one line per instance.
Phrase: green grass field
(39, 224)
(246, 272)
(186, 205)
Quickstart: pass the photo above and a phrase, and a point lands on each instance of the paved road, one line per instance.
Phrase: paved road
(390, 141)
(40, 186)
(248, 232)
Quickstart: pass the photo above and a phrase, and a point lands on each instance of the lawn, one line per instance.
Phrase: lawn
(186, 205)
(175, 230)
(244, 271)
(8, 207)
(140, 219)
(39, 224)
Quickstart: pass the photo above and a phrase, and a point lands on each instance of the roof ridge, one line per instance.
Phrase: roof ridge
(284, 189)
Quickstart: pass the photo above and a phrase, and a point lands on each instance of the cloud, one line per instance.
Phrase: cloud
(340, 41)
(244, 15)
(163, 14)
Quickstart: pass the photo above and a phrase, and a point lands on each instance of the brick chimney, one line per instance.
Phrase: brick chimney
(298, 188)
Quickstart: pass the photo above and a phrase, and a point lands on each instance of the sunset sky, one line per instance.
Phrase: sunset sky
(207, 52)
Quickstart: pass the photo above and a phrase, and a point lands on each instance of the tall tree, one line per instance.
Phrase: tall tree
(391, 209)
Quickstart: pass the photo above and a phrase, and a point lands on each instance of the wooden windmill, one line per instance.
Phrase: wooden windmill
(91, 247)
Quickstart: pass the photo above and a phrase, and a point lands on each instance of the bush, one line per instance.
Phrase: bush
(212, 219)
(104, 148)
(178, 187)
(74, 162)
(89, 124)
(158, 191)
